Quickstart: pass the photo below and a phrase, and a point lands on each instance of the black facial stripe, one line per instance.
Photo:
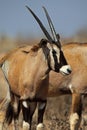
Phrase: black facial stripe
(62, 58)
(55, 60)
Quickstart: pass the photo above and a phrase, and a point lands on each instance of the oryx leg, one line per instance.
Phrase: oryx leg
(41, 110)
(12, 112)
(16, 106)
(28, 109)
(76, 110)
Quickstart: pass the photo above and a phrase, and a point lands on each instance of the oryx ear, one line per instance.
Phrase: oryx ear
(43, 45)
(43, 42)
(35, 48)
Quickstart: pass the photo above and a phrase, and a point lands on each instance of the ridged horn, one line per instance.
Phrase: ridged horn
(55, 38)
(40, 24)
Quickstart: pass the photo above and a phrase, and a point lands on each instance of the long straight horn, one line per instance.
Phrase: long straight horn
(40, 24)
(55, 38)
(50, 24)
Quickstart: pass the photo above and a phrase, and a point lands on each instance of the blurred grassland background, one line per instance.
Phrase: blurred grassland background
(8, 43)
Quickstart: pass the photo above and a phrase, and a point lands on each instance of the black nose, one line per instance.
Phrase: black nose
(69, 71)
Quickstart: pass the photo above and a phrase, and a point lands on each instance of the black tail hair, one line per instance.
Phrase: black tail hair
(9, 113)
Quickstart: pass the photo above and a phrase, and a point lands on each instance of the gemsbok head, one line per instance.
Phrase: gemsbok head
(57, 61)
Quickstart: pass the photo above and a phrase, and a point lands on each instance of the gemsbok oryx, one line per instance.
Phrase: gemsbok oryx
(75, 84)
(26, 69)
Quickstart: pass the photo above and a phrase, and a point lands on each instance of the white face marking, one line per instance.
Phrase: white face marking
(57, 52)
(52, 63)
(65, 70)
(49, 46)
(51, 56)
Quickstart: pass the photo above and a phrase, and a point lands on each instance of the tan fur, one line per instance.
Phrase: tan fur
(22, 73)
